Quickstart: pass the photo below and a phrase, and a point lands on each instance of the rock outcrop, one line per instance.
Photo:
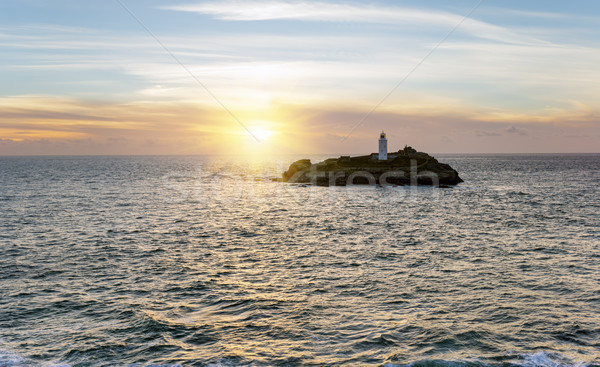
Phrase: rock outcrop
(405, 167)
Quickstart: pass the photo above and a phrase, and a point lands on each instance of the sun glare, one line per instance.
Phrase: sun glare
(262, 134)
(259, 137)
(261, 130)
(261, 141)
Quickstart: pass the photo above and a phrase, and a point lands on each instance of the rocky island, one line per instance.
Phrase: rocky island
(404, 167)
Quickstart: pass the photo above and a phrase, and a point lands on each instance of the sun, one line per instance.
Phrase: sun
(261, 138)
(261, 133)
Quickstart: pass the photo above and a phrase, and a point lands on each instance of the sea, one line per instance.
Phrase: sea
(208, 261)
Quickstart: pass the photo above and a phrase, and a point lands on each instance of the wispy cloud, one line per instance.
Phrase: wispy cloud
(533, 14)
(541, 14)
(516, 130)
(256, 69)
(340, 12)
(311, 11)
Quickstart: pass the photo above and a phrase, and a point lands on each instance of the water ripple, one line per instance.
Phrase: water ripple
(129, 261)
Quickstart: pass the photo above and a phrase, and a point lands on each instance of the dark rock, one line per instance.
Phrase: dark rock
(405, 167)
(297, 171)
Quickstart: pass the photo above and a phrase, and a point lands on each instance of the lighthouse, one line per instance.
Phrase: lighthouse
(382, 147)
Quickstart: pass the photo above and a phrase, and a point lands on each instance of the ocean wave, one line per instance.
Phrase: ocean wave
(11, 359)
(476, 276)
(539, 359)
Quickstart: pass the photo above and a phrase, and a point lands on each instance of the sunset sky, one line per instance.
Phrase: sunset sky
(89, 77)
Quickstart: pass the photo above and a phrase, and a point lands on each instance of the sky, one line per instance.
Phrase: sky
(298, 77)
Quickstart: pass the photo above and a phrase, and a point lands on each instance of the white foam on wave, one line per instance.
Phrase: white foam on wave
(540, 359)
(544, 359)
(11, 359)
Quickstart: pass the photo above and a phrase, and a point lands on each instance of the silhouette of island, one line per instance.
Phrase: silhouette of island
(404, 167)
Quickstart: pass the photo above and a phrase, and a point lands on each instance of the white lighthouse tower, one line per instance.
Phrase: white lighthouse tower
(382, 147)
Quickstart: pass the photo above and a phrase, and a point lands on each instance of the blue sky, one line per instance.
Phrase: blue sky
(86, 78)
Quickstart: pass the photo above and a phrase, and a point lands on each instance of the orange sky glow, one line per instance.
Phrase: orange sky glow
(505, 80)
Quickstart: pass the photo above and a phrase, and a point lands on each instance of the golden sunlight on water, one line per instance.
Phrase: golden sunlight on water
(207, 261)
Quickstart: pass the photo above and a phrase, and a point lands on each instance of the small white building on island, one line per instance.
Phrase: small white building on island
(383, 156)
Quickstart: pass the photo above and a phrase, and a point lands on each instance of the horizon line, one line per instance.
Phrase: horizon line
(280, 155)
